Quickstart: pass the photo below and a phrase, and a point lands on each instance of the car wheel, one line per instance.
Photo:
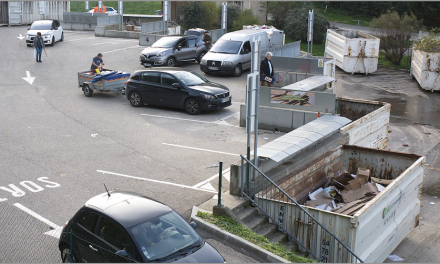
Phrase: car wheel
(192, 106)
(135, 99)
(62, 36)
(199, 59)
(87, 91)
(238, 71)
(65, 252)
(53, 41)
(171, 62)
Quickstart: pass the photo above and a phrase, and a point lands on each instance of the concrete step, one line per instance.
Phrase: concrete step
(247, 213)
(240, 207)
(266, 229)
(277, 237)
(255, 222)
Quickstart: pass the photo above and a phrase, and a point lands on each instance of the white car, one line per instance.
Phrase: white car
(110, 11)
(51, 31)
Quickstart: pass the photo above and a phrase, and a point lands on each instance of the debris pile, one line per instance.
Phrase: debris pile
(346, 193)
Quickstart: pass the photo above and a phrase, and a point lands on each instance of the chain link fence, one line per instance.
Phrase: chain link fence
(23, 239)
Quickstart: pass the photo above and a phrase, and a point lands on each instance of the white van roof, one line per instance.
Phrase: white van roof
(244, 34)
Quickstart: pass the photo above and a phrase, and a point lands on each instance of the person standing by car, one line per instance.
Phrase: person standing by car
(38, 46)
(97, 63)
(207, 39)
(266, 71)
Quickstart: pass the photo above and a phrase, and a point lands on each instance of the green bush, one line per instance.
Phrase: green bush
(296, 22)
(232, 13)
(245, 18)
(212, 15)
(193, 15)
(428, 44)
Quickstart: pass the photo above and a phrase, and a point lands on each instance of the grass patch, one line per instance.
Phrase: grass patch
(317, 49)
(340, 16)
(130, 7)
(405, 64)
(230, 225)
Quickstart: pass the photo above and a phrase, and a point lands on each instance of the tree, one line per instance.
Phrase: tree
(193, 14)
(233, 13)
(246, 18)
(278, 11)
(394, 32)
(296, 22)
(212, 15)
(427, 11)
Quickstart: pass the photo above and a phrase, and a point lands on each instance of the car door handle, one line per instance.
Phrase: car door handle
(91, 247)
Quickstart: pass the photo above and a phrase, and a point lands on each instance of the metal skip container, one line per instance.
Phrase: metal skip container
(353, 50)
(425, 69)
(374, 231)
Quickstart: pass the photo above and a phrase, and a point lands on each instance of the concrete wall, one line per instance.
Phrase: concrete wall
(111, 31)
(78, 26)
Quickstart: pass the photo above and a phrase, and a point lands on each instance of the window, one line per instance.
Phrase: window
(88, 221)
(247, 46)
(114, 235)
(149, 77)
(183, 44)
(191, 43)
(167, 79)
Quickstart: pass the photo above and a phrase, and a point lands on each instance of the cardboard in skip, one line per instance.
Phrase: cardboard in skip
(358, 187)
(318, 200)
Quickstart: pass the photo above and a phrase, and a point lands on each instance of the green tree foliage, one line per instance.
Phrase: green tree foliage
(296, 21)
(429, 12)
(365, 9)
(245, 18)
(194, 15)
(278, 11)
(428, 44)
(394, 32)
(233, 13)
(212, 15)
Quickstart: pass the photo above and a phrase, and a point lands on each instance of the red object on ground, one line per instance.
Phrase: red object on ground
(319, 114)
(405, 145)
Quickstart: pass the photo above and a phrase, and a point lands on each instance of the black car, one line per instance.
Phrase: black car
(178, 88)
(121, 226)
(170, 50)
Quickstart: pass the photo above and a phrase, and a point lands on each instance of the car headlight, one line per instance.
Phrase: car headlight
(46, 36)
(203, 61)
(160, 54)
(28, 36)
(208, 96)
(227, 63)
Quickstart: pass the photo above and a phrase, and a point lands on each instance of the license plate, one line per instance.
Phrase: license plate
(213, 68)
(147, 65)
(224, 100)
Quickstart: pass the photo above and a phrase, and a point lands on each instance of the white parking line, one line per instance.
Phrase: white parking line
(183, 119)
(225, 172)
(227, 117)
(151, 180)
(77, 39)
(137, 46)
(208, 150)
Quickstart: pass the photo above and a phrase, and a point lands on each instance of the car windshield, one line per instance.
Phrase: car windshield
(226, 46)
(190, 78)
(165, 43)
(41, 25)
(165, 235)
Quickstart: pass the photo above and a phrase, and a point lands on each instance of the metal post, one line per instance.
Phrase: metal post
(121, 13)
(99, 4)
(220, 176)
(224, 17)
(165, 17)
(87, 6)
(358, 24)
(255, 68)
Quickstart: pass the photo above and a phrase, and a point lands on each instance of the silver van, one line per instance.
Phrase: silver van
(231, 54)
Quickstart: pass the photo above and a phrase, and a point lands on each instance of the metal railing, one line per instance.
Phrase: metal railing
(292, 218)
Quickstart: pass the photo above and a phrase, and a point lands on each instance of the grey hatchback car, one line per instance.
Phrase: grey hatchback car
(120, 226)
(170, 50)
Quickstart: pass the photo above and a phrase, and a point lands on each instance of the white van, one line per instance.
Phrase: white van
(231, 54)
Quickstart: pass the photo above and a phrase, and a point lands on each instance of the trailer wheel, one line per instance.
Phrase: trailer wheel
(87, 91)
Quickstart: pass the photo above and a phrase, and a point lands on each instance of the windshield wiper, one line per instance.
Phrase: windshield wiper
(180, 252)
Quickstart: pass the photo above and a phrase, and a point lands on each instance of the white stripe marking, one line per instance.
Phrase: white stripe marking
(77, 39)
(183, 119)
(163, 182)
(137, 46)
(225, 173)
(226, 117)
(39, 217)
(215, 151)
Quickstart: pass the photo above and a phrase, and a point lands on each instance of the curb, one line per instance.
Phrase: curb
(236, 240)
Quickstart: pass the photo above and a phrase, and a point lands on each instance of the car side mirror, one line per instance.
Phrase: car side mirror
(193, 225)
(177, 85)
(56, 28)
(179, 47)
(122, 253)
(29, 28)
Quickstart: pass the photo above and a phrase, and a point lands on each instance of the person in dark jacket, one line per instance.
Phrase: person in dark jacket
(207, 39)
(266, 71)
(38, 46)
(97, 63)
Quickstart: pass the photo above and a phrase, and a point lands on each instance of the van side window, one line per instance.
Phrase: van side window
(247, 46)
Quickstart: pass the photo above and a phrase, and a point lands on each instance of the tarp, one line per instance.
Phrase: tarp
(111, 75)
